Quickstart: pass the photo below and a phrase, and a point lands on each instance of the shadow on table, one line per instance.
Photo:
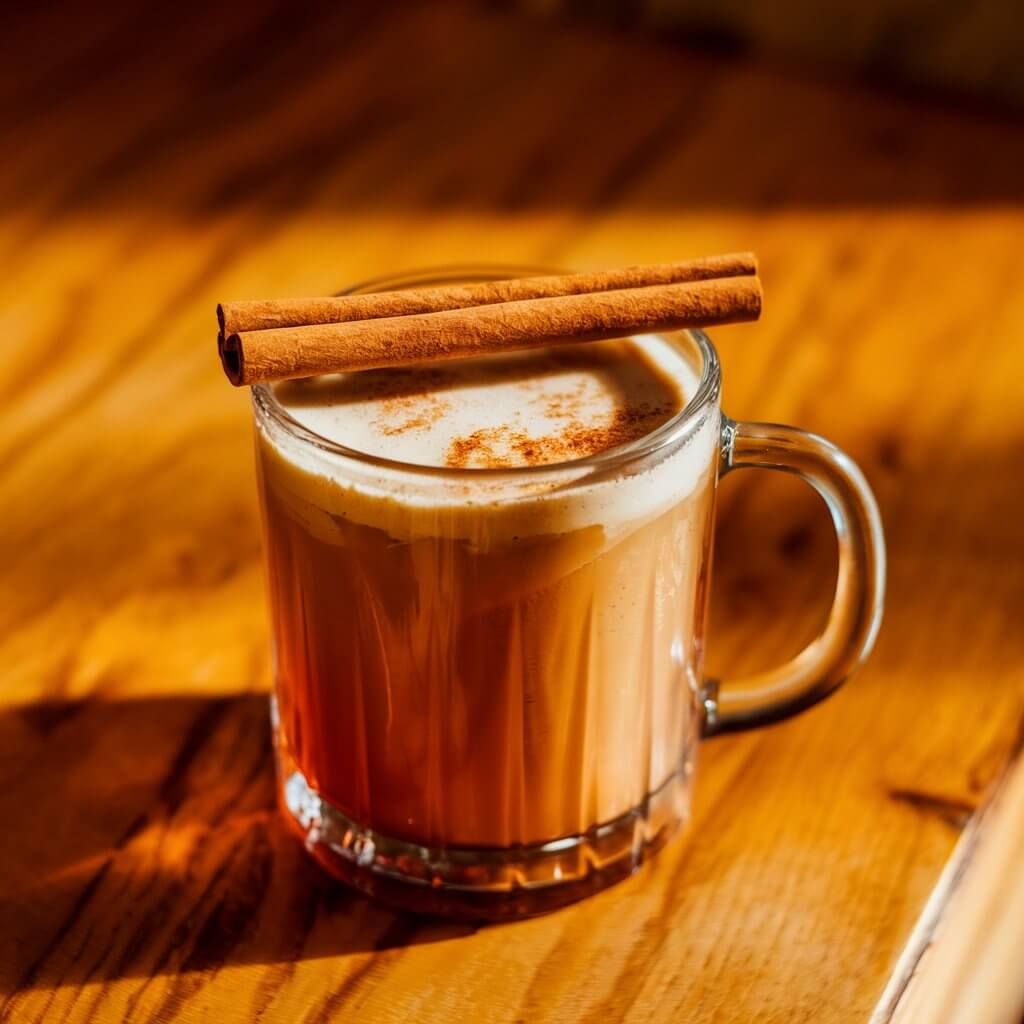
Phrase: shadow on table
(140, 837)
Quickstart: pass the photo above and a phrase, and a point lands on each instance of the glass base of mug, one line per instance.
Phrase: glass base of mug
(485, 883)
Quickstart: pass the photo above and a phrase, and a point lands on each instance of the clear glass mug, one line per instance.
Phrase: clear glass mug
(483, 719)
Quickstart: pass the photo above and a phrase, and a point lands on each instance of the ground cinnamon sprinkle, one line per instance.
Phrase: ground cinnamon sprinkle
(400, 415)
(504, 447)
(479, 449)
(563, 404)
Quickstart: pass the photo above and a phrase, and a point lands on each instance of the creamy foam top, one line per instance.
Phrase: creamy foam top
(527, 408)
(515, 409)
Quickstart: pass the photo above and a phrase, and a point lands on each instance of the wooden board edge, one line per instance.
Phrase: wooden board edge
(962, 961)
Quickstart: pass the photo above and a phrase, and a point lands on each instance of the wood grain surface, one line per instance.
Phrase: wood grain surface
(155, 163)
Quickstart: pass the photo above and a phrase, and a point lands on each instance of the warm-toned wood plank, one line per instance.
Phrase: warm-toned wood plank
(962, 963)
(143, 873)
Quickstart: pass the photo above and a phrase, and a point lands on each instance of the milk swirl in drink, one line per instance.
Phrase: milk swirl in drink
(476, 658)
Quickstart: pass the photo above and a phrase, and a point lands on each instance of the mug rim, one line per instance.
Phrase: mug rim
(674, 431)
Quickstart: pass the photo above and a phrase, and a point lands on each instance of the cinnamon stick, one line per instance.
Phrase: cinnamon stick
(250, 357)
(264, 314)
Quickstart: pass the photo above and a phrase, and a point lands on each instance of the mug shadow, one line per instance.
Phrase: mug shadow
(142, 838)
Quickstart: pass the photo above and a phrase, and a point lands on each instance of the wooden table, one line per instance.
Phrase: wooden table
(151, 169)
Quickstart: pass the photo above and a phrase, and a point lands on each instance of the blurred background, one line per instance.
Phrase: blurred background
(158, 159)
(944, 48)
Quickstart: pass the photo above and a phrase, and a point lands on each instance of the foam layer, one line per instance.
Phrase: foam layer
(516, 409)
(519, 409)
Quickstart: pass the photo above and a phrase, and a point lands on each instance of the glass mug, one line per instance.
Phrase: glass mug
(482, 720)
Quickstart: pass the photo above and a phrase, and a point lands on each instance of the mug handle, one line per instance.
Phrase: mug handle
(828, 660)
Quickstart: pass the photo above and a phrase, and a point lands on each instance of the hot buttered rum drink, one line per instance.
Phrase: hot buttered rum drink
(495, 644)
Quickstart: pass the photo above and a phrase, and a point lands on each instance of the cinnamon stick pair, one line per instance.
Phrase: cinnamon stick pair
(284, 339)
